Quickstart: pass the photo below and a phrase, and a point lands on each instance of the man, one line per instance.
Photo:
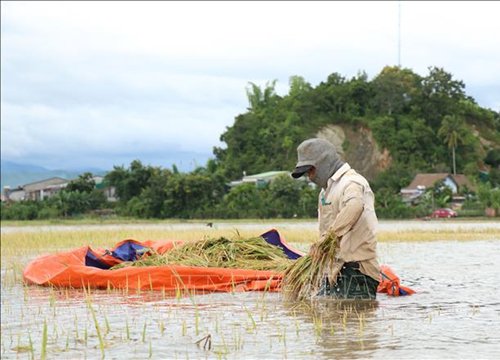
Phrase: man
(346, 209)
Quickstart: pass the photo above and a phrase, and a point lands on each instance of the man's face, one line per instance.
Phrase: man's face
(311, 173)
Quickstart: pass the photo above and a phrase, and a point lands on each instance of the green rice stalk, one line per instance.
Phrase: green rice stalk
(302, 279)
(238, 253)
(43, 355)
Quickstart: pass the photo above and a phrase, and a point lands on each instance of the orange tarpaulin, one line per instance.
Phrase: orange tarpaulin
(69, 269)
(85, 267)
(390, 284)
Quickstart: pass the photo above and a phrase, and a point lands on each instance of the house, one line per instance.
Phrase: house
(457, 183)
(262, 179)
(259, 180)
(109, 191)
(42, 189)
(16, 194)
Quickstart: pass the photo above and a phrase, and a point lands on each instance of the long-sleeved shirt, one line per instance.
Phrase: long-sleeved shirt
(346, 208)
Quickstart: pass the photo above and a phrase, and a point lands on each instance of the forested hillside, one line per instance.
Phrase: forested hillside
(417, 122)
(389, 128)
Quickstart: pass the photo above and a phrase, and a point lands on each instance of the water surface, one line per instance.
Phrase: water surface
(455, 314)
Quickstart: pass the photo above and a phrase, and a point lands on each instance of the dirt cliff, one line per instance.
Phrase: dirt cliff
(357, 147)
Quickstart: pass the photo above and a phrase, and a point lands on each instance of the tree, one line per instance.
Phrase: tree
(85, 183)
(284, 193)
(441, 194)
(192, 195)
(243, 201)
(493, 158)
(258, 98)
(394, 90)
(130, 182)
(298, 86)
(440, 96)
(453, 131)
(389, 205)
(489, 197)
(150, 202)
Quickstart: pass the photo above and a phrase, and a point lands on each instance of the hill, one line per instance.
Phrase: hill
(389, 128)
(14, 174)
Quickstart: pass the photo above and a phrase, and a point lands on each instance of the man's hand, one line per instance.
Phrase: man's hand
(318, 249)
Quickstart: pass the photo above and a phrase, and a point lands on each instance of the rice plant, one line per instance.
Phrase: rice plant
(303, 278)
(238, 253)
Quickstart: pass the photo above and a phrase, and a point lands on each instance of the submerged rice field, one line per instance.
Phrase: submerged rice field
(455, 313)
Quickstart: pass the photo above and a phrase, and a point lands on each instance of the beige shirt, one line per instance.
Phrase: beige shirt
(346, 208)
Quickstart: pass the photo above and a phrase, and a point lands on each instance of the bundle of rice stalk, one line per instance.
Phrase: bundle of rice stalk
(239, 253)
(302, 279)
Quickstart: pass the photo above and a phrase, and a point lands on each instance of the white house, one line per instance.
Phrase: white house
(422, 182)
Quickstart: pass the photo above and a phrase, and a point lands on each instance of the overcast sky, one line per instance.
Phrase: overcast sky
(97, 84)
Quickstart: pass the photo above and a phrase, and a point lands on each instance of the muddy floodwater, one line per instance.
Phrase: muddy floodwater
(454, 314)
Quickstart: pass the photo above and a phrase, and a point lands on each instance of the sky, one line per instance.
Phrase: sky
(98, 84)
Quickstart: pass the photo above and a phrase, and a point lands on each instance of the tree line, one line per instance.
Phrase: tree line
(427, 123)
(146, 191)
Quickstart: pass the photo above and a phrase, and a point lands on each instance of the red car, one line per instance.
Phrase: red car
(444, 213)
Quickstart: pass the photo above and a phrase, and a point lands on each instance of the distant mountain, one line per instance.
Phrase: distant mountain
(9, 166)
(15, 174)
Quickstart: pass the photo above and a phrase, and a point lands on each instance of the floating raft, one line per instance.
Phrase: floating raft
(90, 268)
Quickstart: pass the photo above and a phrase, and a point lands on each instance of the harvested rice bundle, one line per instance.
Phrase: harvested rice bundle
(253, 253)
(303, 278)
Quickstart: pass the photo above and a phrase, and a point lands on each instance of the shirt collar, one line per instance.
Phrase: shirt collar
(338, 174)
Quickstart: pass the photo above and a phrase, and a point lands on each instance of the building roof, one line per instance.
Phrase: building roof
(462, 180)
(265, 175)
(428, 180)
(42, 184)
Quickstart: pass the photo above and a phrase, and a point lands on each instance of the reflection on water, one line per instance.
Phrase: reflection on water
(342, 328)
(455, 314)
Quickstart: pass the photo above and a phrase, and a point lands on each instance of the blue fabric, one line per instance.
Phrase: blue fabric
(127, 251)
(92, 260)
(273, 237)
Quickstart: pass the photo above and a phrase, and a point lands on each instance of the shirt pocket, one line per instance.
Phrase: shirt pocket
(327, 211)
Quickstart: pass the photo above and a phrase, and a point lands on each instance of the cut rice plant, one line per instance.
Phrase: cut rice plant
(239, 253)
(302, 279)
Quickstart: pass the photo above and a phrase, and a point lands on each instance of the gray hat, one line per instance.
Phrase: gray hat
(322, 155)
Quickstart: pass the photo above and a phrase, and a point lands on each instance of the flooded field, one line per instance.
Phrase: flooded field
(455, 313)
(384, 225)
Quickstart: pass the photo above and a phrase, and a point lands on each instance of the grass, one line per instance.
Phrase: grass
(127, 220)
(96, 324)
(119, 220)
(18, 243)
(433, 235)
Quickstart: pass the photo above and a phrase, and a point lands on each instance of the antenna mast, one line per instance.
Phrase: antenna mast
(399, 33)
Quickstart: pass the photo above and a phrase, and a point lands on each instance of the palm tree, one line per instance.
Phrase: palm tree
(452, 130)
(259, 98)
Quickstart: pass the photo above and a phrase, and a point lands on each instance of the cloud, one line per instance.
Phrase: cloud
(104, 82)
